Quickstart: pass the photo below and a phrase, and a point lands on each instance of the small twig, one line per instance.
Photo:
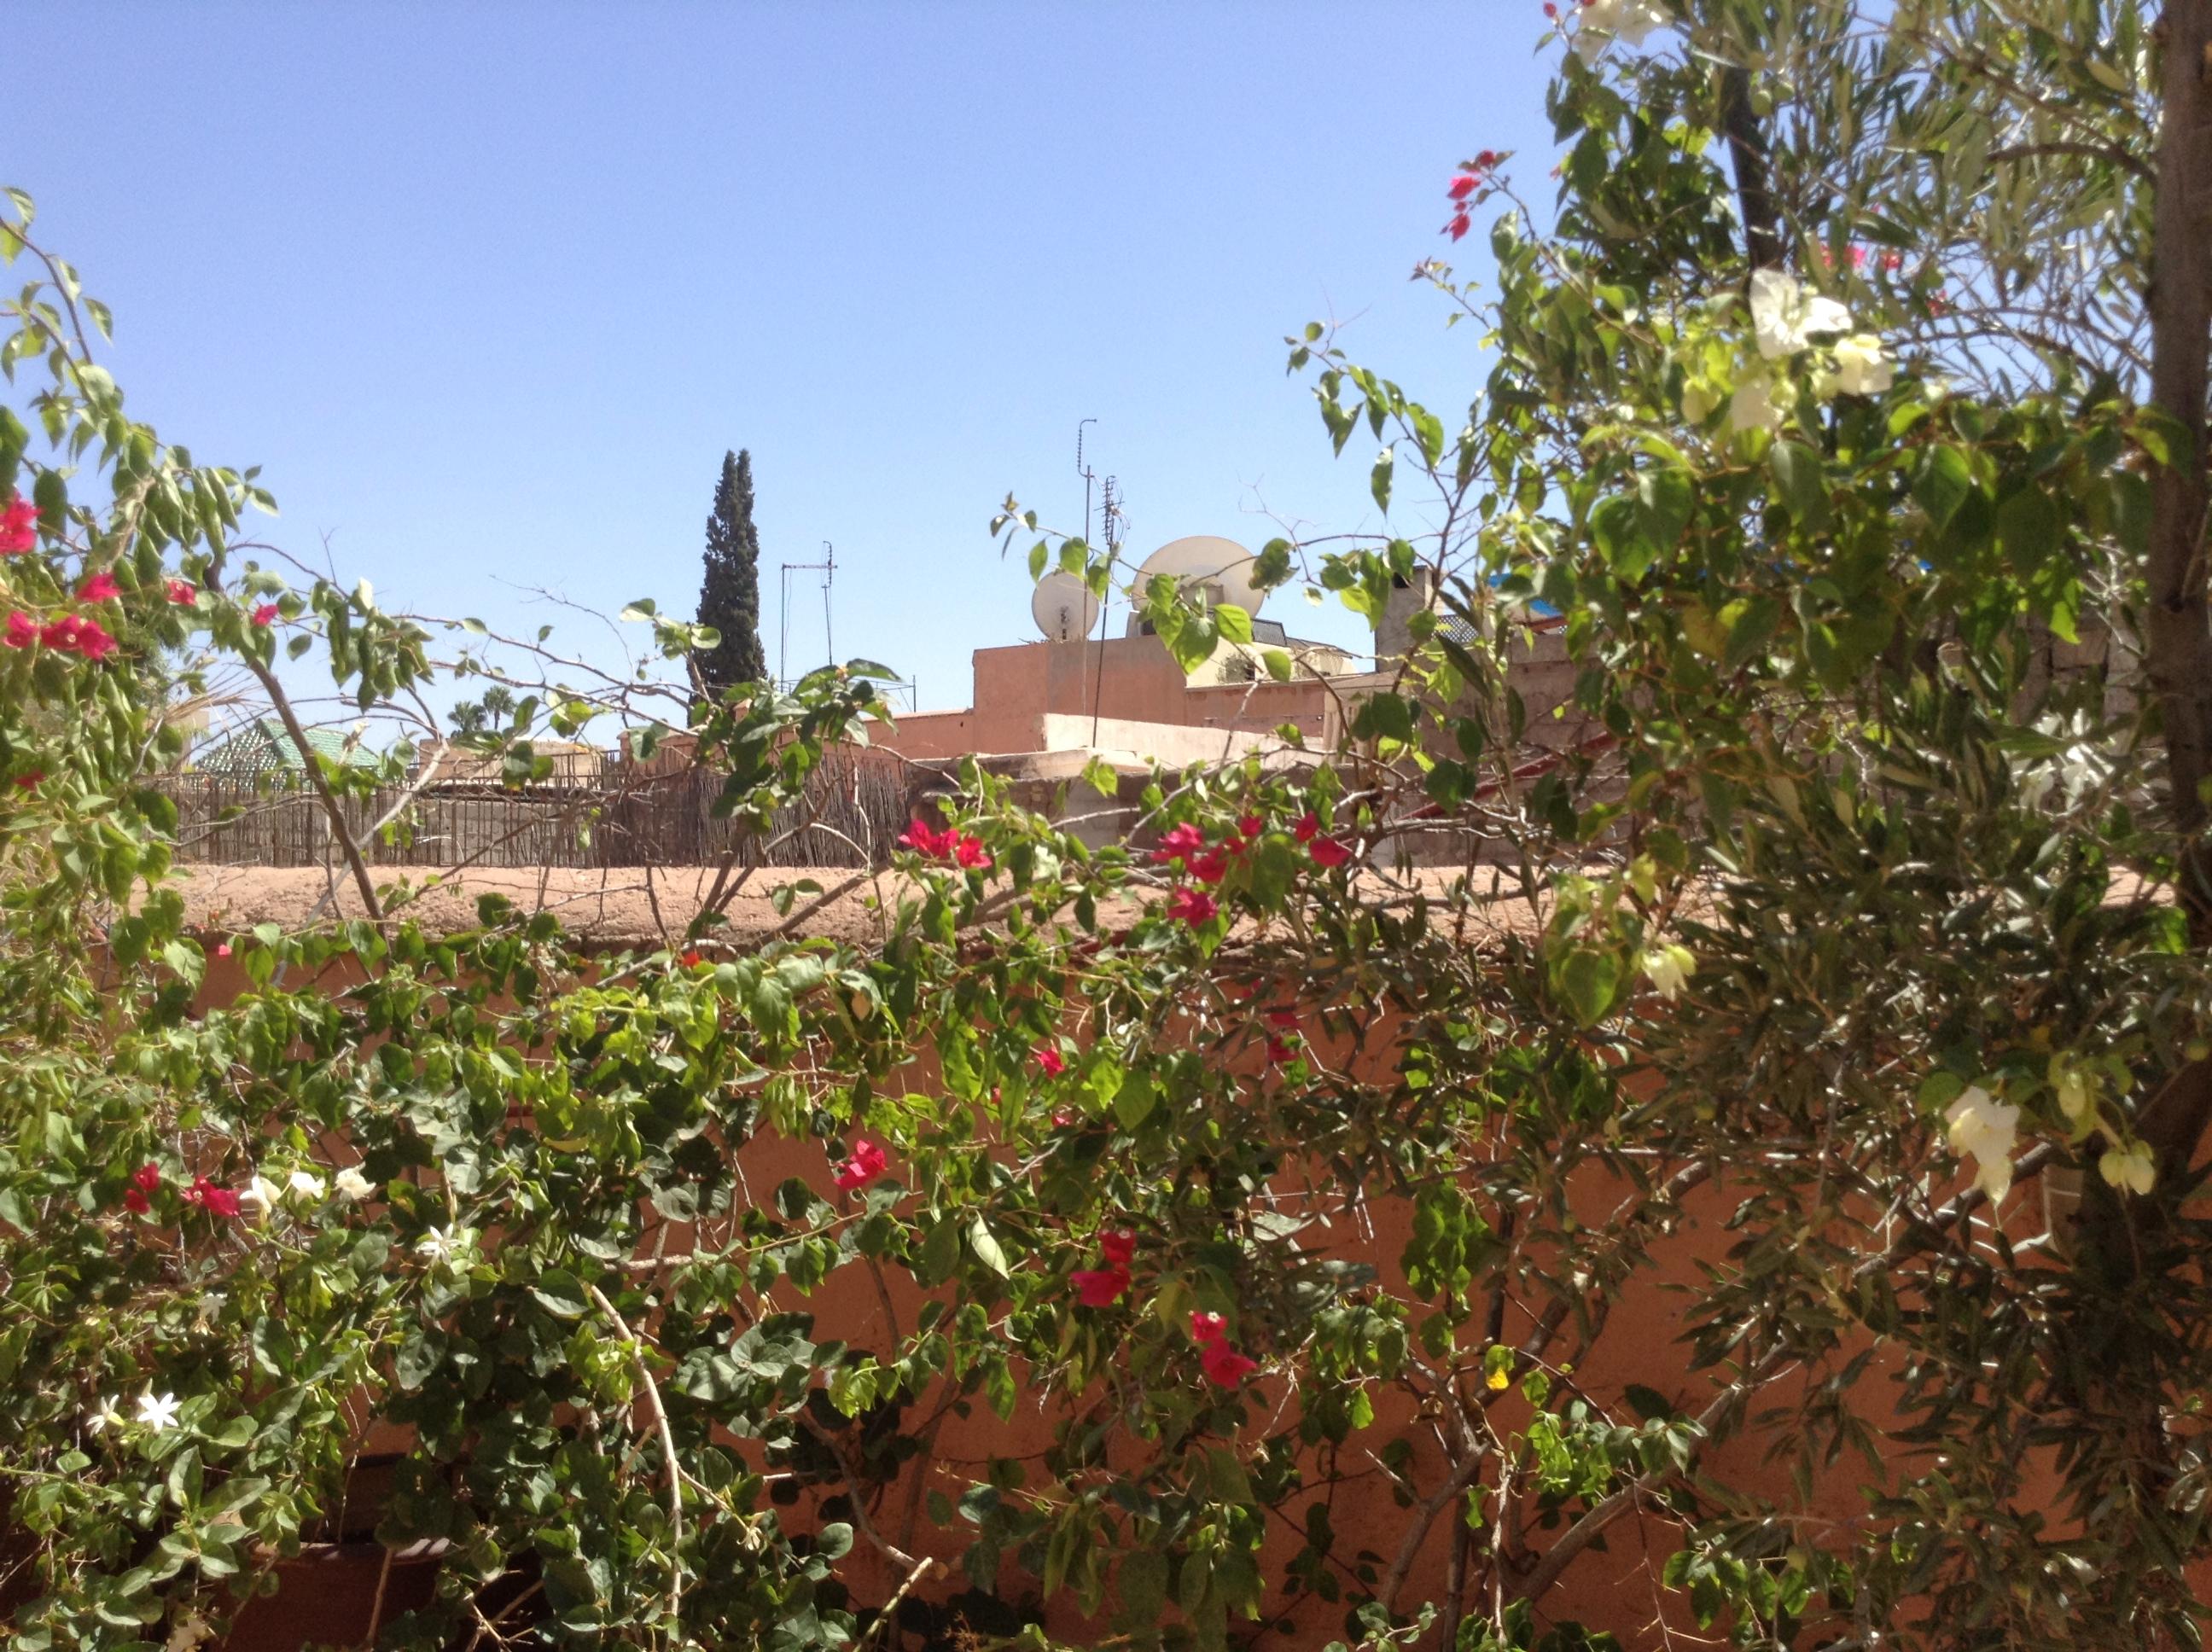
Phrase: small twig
(922, 1568)
(667, 1448)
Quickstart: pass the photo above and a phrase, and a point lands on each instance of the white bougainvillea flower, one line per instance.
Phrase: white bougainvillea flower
(1985, 1130)
(1668, 967)
(192, 1631)
(1604, 21)
(107, 1414)
(2075, 1091)
(158, 1414)
(1784, 316)
(1755, 406)
(306, 1183)
(351, 1184)
(2131, 1168)
(1862, 369)
(259, 1196)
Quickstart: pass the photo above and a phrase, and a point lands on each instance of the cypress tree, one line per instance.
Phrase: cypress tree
(729, 596)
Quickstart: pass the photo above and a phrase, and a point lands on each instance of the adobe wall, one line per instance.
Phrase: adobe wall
(1614, 1588)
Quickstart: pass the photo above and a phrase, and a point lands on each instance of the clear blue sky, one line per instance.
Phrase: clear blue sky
(488, 290)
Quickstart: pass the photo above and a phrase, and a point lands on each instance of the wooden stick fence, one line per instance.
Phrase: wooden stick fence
(862, 797)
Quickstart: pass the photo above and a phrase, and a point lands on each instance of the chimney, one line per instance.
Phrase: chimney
(1410, 594)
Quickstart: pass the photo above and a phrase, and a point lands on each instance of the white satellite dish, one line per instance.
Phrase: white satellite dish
(1221, 569)
(1064, 608)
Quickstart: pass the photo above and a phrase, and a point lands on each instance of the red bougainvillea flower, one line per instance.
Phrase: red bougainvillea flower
(22, 629)
(1286, 1018)
(265, 614)
(1099, 1287)
(1278, 1051)
(1184, 843)
(925, 838)
(184, 592)
(1550, 10)
(1065, 1117)
(1250, 826)
(135, 1202)
(30, 778)
(19, 526)
(1210, 867)
(1891, 262)
(216, 1201)
(222, 949)
(689, 960)
(1327, 852)
(1118, 1246)
(1462, 186)
(1049, 1059)
(1308, 828)
(95, 642)
(100, 587)
(78, 633)
(1223, 1366)
(1460, 224)
(968, 853)
(1193, 906)
(868, 1162)
(1206, 1329)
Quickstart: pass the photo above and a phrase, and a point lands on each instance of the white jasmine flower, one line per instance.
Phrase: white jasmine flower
(351, 1184)
(1604, 21)
(105, 1415)
(1755, 406)
(2131, 1168)
(1862, 369)
(1668, 967)
(190, 1632)
(437, 1246)
(260, 1196)
(158, 1414)
(308, 1185)
(1783, 315)
(1985, 1130)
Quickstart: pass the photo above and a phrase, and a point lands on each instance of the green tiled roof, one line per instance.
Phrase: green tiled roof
(262, 747)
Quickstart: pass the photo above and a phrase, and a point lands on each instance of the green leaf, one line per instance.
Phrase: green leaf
(1940, 483)
(1378, 479)
(1233, 623)
(986, 1247)
(561, 1294)
(1802, 483)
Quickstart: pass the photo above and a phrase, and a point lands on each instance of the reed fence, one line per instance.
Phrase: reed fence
(856, 804)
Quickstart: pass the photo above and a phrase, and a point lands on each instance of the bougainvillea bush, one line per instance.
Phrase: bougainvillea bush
(1838, 954)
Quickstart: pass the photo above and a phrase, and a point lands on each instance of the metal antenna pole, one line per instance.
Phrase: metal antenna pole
(1113, 549)
(828, 578)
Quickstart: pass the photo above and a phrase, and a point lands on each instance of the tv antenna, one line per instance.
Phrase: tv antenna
(828, 568)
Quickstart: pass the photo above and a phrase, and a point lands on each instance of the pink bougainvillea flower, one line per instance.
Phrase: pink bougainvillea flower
(1250, 826)
(22, 629)
(968, 852)
(1550, 10)
(30, 778)
(100, 587)
(1327, 852)
(1192, 906)
(61, 634)
(1462, 186)
(216, 1201)
(1118, 1246)
(1049, 1059)
(1206, 1329)
(1459, 226)
(265, 614)
(1065, 1117)
(222, 949)
(19, 526)
(1223, 1366)
(184, 592)
(1308, 828)
(1891, 262)
(868, 1162)
(95, 642)
(147, 1178)
(1209, 868)
(1100, 1287)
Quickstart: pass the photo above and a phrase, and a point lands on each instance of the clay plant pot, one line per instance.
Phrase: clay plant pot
(329, 1595)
